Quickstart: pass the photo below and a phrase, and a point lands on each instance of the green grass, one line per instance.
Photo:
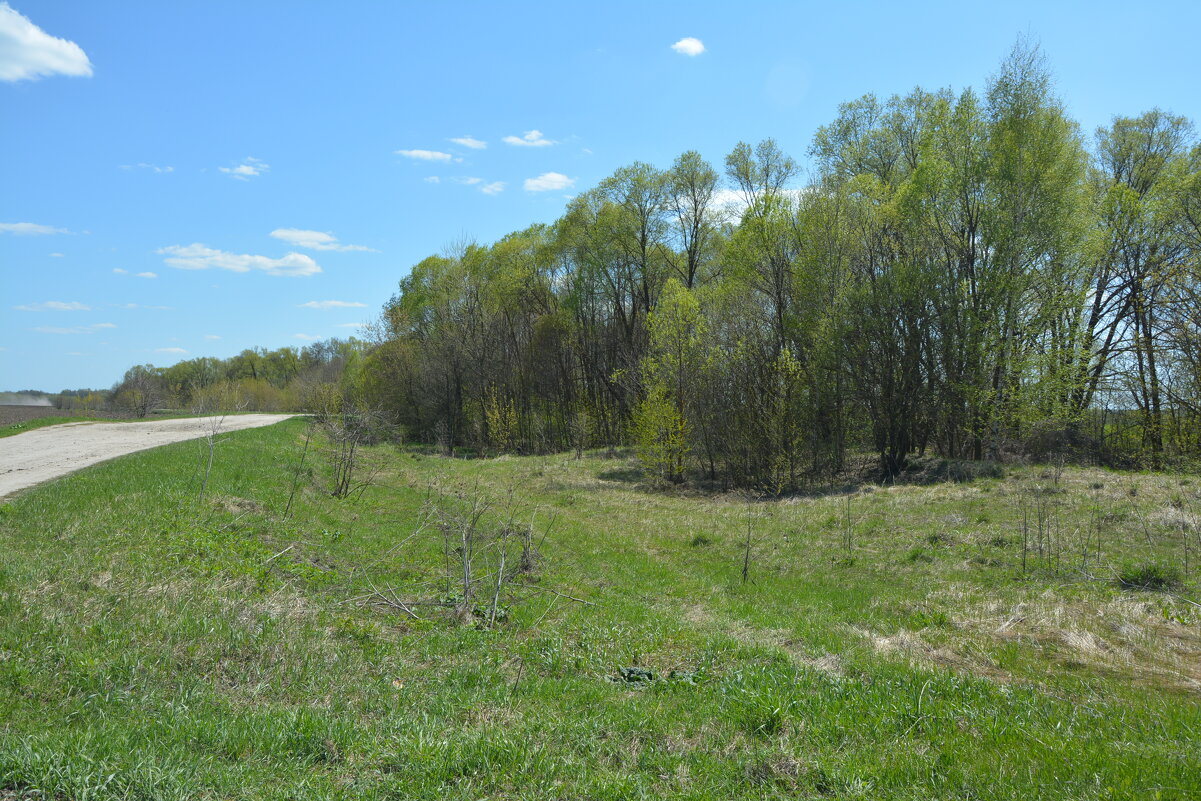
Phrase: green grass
(155, 647)
(41, 422)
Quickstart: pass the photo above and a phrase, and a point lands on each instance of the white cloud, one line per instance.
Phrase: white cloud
(731, 203)
(212, 336)
(200, 257)
(529, 139)
(494, 188)
(147, 275)
(469, 141)
(30, 229)
(314, 240)
(152, 167)
(56, 255)
(333, 304)
(249, 168)
(169, 350)
(433, 179)
(83, 329)
(119, 271)
(469, 181)
(689, 46)
(27, 52)
(548, 181)
(54, 305)
(306, 337)
(425, 155)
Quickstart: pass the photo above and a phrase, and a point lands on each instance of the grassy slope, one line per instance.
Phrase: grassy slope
(42, 422)
(154, 647)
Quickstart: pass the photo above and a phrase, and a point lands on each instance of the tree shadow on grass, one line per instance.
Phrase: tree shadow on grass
(630, 475)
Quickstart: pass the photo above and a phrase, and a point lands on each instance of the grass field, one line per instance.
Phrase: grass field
(19, 419)
(16, 419)
(887, 642)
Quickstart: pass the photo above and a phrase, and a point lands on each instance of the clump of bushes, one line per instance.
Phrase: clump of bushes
(960, 471)
(1149, 576)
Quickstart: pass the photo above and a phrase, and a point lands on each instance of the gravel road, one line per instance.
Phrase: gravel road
(47, 453)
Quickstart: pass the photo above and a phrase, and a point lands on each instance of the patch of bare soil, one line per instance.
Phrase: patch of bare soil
(47, 453)
(21, 414)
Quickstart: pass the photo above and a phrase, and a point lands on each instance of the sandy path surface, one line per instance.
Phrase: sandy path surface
(47, 453)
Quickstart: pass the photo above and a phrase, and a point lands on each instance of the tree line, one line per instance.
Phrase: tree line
(257, 379)
(964, 274)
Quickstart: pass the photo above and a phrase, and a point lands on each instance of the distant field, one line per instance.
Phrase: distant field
(11, 415)
(945, 641)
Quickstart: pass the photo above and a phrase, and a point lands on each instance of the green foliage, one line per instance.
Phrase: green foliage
(661, 435)
(1149, 576)
(152, 646)
(964, 277)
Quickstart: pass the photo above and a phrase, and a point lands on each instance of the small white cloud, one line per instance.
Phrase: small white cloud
(494, 188)
(548, 181)
(314, 240)
(433, 179)
(425, 155)
(200, 257)
(529, 139)
(306, 337)
(333, 304)
(27, 52)
(169, 350)
(470, 141)
(30, 229)
(56, 255)
(83, 329)
(249, 168)
(469, 181)
(689, 46)
(141, 165)
(212, 336)
(147, 275)
(54, 305)
(119, 271)
(732, 203)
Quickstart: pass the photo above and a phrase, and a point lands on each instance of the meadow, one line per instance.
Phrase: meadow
(16, 419)
(1030, 632)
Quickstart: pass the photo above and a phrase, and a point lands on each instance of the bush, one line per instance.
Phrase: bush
(1149, 576)
(918, 555)
(960, 471)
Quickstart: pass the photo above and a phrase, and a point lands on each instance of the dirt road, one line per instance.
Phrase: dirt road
(46, 453)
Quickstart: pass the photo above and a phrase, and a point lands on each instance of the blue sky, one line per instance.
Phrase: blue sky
(191, 179)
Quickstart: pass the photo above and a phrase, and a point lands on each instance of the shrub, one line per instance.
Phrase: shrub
(1149, 576)
(918, 554)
